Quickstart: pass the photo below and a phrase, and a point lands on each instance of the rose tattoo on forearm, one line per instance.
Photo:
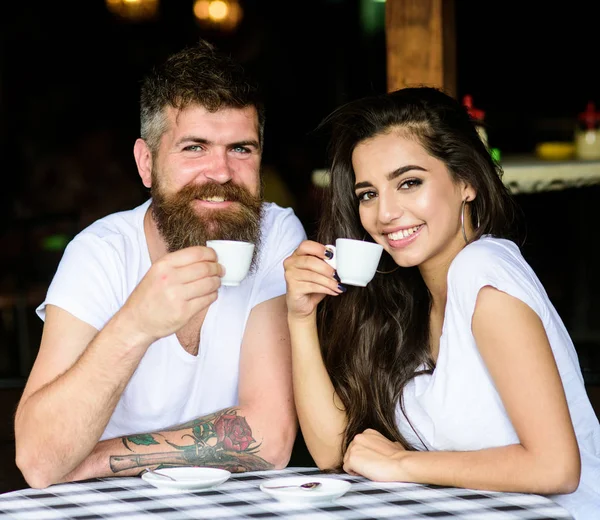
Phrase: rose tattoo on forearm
(223, 440)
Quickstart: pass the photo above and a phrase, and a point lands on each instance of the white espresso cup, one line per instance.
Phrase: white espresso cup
(354, 260)
(235, 256)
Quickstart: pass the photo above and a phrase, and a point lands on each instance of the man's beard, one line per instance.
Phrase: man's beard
(181, 226)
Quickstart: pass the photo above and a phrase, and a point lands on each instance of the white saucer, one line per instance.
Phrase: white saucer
(188, 478)
(329, 490)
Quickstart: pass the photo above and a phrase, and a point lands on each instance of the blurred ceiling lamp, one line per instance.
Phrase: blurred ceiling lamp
(134, 10)
(218, 14)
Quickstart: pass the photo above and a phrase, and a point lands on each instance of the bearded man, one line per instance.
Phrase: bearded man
(146, 361)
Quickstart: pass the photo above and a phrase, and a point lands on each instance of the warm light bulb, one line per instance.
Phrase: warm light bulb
(223, 15)
(134, 10)
(218, 10)
(201, 9)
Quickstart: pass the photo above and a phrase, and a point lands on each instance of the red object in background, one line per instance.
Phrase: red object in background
(590, 118)
(475, 113)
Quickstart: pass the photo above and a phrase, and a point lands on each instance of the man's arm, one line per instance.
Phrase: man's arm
(258, 434)
(80, 373)
(70, 394)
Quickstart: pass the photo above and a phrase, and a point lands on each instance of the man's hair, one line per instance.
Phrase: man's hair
(196, 75)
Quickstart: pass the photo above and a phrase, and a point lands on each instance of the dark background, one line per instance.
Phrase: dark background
(69, 80)
(70, 71)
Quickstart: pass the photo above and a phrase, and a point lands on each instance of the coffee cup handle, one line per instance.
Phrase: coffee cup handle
(331, 261)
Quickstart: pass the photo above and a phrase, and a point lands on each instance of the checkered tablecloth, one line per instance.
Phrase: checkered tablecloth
(240, 497)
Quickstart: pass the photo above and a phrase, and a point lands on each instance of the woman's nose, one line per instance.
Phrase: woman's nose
(389, 208)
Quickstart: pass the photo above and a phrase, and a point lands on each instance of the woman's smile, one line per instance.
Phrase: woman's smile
(403, 237)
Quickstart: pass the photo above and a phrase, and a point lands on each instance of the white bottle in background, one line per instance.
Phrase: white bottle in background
(587, 133)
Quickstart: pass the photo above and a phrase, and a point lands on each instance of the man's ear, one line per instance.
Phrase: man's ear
(143, 159)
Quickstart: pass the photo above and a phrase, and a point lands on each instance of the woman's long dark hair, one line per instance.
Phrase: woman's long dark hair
(375, 339)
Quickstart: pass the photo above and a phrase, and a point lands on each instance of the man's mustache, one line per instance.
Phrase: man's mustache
(228, 191)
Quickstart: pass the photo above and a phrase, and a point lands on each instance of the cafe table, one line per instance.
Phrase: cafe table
(131, 498)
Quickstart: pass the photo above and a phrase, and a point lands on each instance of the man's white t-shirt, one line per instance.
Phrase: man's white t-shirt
(457, 408)
(104, 263)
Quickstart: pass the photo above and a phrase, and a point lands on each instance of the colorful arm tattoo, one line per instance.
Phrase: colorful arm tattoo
(221, 440)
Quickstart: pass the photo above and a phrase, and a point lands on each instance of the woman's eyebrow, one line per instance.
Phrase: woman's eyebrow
(392, 175)
(403, 169)
(363, 184)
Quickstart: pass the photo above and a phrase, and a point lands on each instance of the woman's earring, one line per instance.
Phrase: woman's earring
(388, 272)
(377, 270)
(462, 220)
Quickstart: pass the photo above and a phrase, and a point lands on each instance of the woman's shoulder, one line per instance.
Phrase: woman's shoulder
(499, 263)
(488, 252)
(489, 258)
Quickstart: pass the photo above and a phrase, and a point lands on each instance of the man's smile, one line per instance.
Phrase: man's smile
(212, 202)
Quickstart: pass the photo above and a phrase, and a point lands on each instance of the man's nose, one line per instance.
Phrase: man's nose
(219, 170)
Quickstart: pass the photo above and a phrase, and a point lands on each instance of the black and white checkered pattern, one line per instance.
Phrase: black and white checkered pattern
(240, 497)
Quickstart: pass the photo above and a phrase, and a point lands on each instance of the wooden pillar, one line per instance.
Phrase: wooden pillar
(420, 44)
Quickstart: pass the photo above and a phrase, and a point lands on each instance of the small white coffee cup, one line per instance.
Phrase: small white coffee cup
(235, 256)
(354, 260)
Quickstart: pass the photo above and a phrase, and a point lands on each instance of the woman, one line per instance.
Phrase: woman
(451, 367)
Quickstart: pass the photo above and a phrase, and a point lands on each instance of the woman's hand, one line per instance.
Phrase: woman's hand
(375, 457)
(309, 278)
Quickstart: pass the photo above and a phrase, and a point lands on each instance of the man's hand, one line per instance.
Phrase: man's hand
(177, 287)
(372, 455)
